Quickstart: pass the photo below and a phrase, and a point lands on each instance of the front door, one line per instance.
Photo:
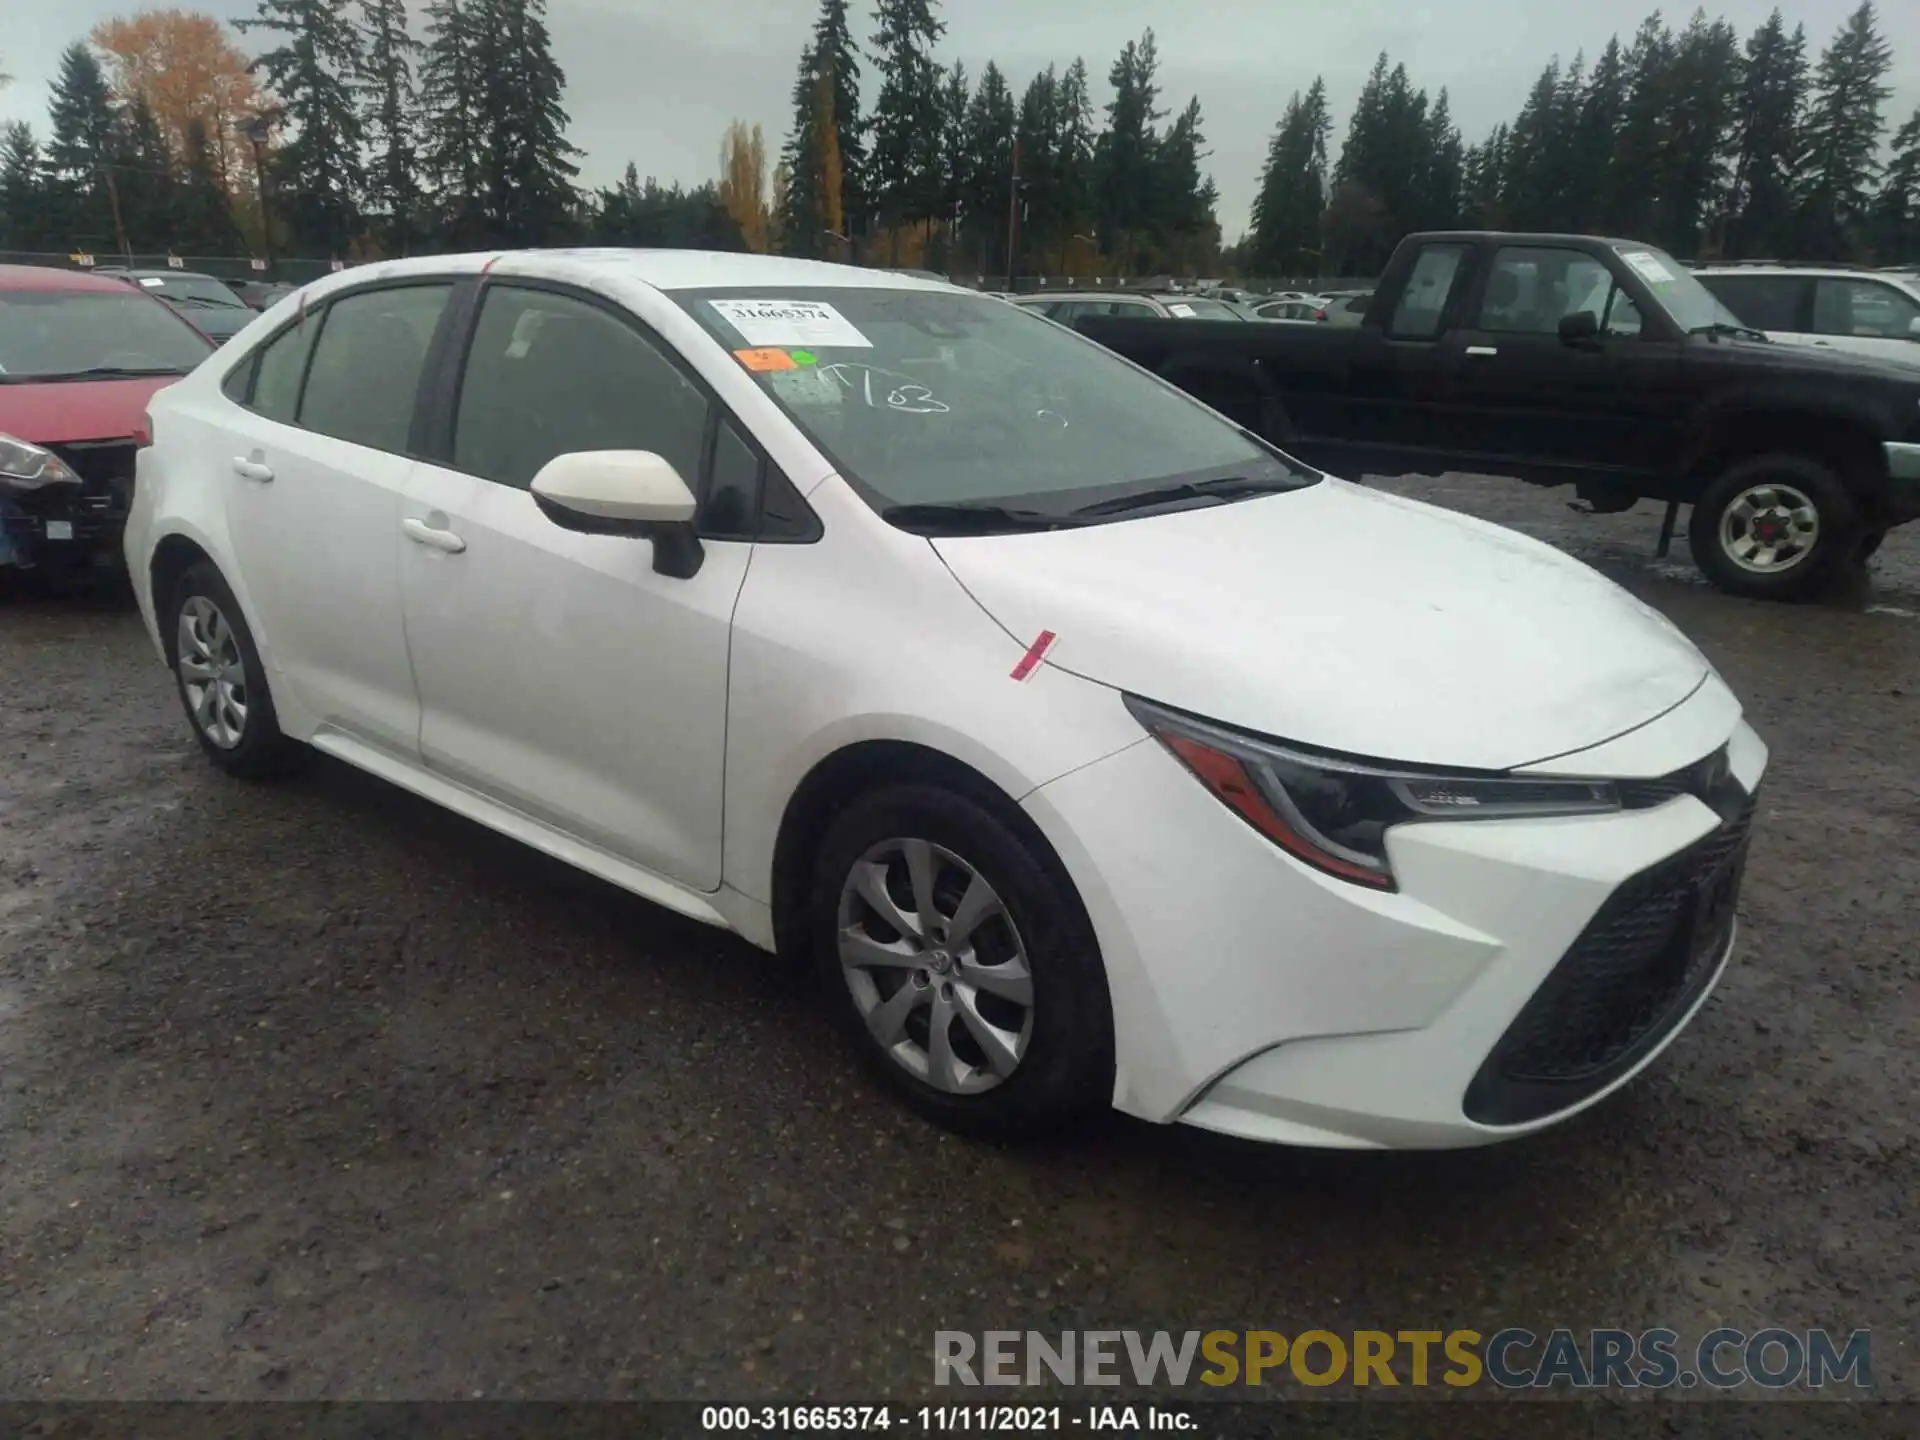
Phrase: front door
(314, 467)
(1519, 398)
(560, 673)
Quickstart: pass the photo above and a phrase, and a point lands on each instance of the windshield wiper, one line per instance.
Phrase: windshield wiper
(987, 519)
(1720, 327)
(101, 372)
(1237, 487)
(206, 300)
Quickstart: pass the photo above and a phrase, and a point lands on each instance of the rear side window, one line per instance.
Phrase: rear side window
(548, 374)
(1530, 289)
(1863, 308)
(281, 363)
(1424, 302)
(1766, 302)
(366, 364)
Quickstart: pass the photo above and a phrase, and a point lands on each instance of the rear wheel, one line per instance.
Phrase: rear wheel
(222, 683)
(1774, 527)
(959, 965)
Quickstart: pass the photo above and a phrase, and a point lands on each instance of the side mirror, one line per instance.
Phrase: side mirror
(1579, 328)
(634, 493)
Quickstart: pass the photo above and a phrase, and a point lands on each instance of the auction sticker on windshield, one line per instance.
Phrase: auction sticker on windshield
(1647, 266)
(790, 322)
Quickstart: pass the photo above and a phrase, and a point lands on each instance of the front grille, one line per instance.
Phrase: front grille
(96, 508)
(1622, 985)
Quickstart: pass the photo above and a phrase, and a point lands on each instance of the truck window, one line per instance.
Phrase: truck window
(1530, 288)
(1862, 307)
(1429, 283)
(1766, 302)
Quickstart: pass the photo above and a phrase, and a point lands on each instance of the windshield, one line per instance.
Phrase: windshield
(925, 398)
(47, 333)
(191, 287)
(1197, 309)
(1690, 303)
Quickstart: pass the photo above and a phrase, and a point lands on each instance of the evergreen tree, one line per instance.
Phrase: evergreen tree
(1073, 157)
(1842, 135)
(1599, 110)
(23, 189)
(525, 163)
(1700, 119)
(987, 166)
(1483, 183)
(1293, 183)
(450, 117)
(203, 215)
(317, 175)
(1378, 178)
(1897, 210)
(1438, 201)
(389, 111)
(903, 173)
(1124, 155)
(1038, 132)
(143, 170)
(835, 51)
(83, 120)
(655, 215)
(1183, 197)
(1766, 138)
(956, 95)
(1539, 146)
(1633, 201)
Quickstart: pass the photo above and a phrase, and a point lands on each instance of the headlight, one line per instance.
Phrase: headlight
(28, 467)
(1333, 812)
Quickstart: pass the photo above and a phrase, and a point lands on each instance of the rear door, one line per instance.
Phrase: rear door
(1520, 400)
(315, 464)
(1387, 405)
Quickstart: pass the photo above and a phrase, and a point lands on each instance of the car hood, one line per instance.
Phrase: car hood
(59, 411)
(1346, 619)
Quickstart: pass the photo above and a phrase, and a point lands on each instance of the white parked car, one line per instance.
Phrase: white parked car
(1093, 751)
(1864, 312)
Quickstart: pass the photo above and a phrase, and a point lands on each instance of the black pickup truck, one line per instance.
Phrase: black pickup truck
(1575, 360)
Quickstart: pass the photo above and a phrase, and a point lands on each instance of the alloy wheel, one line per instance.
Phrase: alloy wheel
(936, 965)
(1770, 528)
(212, 673)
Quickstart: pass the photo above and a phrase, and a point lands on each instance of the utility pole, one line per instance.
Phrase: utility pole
(259, 131)
(1013, 212)
(113, 199)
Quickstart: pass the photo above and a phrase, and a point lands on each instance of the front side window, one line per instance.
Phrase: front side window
(365, 373)
(548, 374)
(1863, 308)
(923, 398)
(1424, 302)
(1531, 288)
(50, 335)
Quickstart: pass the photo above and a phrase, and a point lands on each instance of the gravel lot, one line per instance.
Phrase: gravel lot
(314, 1091)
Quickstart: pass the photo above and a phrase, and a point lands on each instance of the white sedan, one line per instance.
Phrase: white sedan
(1091, 749)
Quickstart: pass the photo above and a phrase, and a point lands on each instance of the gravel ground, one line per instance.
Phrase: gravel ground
(314, 1091)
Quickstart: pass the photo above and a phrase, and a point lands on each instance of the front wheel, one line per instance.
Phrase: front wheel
(959, 964)
(1774, 527)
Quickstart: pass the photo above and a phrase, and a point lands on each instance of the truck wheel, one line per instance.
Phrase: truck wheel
(1774, 527)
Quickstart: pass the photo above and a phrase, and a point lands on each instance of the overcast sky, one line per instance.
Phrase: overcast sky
(656, 81)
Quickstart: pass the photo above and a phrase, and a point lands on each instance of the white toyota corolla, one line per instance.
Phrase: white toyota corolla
(1091, 748)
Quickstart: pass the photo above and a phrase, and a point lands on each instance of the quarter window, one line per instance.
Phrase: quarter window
(548, 374)
(283, 360)
(367, 362)
(1424, 302)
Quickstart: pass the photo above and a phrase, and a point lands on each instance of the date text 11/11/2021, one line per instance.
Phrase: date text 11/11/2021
(948, 1419)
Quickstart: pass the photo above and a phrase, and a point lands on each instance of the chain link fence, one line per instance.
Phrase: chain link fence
(289, 271)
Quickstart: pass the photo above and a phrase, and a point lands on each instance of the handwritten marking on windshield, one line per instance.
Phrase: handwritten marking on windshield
(901, 393)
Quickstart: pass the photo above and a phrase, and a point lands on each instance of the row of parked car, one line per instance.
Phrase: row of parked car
(1334, 307)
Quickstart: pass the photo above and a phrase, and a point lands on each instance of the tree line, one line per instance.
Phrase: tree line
(1691, 139)
(379, 136)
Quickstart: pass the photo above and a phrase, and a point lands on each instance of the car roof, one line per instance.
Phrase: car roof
(660, 269)
(1835, 272)
(51, 277)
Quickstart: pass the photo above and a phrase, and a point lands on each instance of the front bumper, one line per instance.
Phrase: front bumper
(68, 524)
(1255, 996)
(1903, 480)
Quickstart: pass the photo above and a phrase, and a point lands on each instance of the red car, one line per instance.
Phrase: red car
(80, 356)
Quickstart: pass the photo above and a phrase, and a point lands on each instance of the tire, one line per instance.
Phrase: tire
(1870, 542)
(1806, 505)
(235, 725)
(1060, 1043)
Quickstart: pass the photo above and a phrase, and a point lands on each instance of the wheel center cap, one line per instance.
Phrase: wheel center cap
(939, 961)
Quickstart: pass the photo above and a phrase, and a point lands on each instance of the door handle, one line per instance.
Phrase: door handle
(422, 533)
(1483, 350)
(252, 470)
